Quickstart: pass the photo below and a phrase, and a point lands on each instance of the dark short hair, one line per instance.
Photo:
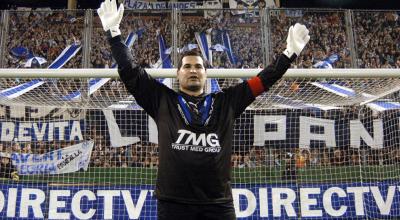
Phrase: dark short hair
(194, 52)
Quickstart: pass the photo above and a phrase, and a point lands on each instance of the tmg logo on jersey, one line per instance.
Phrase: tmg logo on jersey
(189, 141)
(189, 138)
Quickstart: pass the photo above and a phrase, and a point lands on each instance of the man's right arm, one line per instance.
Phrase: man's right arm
(129, 71)
(142, 86)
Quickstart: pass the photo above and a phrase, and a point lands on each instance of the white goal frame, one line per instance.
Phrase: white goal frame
(211, 73)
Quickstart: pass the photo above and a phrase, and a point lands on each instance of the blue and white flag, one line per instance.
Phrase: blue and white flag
(327, 63)
(218, 47)
(67, 54)
(168, 51)
(335, 89)
(204, 41)
(35, 62)
(133, 36)
(164, 60)
(187, 47)
(131, 39)
(128, 103)
(227, 43)
(212, 86)
(162, 47)
(96, 83)
(383, 105)
(65, 160)
(19, 90)
(284, 102)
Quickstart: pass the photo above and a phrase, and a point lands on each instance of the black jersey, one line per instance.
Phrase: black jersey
(194, 133)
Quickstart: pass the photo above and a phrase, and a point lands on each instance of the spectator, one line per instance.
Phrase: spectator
(290, 172)
(355, 158)
(338, 158)
(7, 170)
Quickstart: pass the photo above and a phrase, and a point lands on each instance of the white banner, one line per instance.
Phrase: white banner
(41, 131)
(116, 138)
(65, 160)
(41, 112)
(135, 4)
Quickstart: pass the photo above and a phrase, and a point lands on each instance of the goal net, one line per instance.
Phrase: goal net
(314, 146)
(320, 144)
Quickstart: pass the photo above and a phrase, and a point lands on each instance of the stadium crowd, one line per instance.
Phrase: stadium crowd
(377, 37)
(145, 154)
(45, 34)
(329, 36)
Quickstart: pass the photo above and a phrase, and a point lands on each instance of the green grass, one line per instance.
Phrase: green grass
(140, 176)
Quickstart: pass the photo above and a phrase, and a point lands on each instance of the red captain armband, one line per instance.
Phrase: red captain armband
(256, 86)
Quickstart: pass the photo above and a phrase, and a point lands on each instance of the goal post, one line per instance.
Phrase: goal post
(211, 73)
(321, 143)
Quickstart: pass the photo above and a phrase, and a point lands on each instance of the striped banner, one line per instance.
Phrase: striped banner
(65, 56)
(283, 102)
(228, 46)
(164, 56)
(16, 91)
(204, 41)
(383, 106)
(212, 86)
(336, 89)
(19, 90)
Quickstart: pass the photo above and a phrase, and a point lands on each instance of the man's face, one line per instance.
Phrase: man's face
(192, 74)
(5, 160)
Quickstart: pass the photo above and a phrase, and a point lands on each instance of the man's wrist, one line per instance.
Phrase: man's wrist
(114, 31)
(290, 54)
(111, 39)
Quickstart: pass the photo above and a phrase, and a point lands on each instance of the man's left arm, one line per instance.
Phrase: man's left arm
(297, 39)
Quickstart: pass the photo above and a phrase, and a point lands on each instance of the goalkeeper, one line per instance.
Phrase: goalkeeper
(194, 128)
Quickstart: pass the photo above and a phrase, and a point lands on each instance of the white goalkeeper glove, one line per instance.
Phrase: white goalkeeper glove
(111, 17)
(297, 39)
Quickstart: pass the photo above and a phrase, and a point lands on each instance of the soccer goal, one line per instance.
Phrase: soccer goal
(319, 144)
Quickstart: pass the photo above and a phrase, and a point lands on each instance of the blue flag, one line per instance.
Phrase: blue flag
(204, 41)
(327, 63)
(162, 46)
(227, 43)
